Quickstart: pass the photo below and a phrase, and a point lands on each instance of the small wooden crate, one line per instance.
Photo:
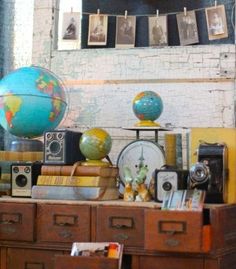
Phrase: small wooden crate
(78, 262)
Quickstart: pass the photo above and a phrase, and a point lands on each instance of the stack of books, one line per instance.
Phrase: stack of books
(68, 182)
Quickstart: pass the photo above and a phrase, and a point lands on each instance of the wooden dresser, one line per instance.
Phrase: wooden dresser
(33, 233)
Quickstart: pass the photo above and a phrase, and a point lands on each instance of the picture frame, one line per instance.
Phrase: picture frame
(125, 31)
(187, 27)
(98, 27)
(157, 30)
(216, 22)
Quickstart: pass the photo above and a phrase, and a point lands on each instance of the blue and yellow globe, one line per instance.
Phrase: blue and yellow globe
(95, 144)
(147, 107)
(32, 101)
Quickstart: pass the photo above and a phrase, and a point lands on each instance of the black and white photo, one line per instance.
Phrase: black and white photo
(70, 26)
(98, 25)
(125, 31)
(158, 34)
(187, 27)
(216, 22)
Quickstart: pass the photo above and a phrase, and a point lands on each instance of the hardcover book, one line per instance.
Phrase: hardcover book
(80, 170)
(81, 181)
(74, 193)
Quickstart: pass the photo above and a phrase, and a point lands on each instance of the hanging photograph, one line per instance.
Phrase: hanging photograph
(98, 25)
(158, 34)
(125, 31)
(70, 26)
(187, 27)
(216, 22)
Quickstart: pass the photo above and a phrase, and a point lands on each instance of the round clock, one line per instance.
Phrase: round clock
(140, 153)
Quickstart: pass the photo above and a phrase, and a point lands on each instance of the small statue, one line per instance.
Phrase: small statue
(143, 194)
(128, 192)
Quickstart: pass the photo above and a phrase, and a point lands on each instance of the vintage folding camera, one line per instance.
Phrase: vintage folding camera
(169, 179)
(210, 172)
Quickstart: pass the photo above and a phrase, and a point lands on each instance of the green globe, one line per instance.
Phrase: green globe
(95, 144)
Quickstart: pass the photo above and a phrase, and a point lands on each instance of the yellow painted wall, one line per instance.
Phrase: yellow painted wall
(213, 135)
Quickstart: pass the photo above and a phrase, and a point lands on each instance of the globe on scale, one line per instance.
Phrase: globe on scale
(95, 144)
(147, 107)
(32, 101)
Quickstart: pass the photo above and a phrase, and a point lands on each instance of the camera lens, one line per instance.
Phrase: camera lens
(21, 181)
(167, 186)
(199, 173)
(55, 147)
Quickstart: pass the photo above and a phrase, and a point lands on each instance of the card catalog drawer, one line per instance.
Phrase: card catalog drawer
(63, 223)
(174, 231)
(119, 224)
(17, 221)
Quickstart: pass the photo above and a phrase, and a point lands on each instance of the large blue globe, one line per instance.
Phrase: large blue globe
(32, 101)
(147, 106)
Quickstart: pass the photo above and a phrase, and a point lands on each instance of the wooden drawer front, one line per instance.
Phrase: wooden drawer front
(170, 262)
(31, 259)
(123, 225)
(64, 262)
(63, 223)
(173, 231)
(17, 221)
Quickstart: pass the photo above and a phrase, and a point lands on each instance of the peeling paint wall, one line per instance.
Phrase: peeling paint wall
(196, 83)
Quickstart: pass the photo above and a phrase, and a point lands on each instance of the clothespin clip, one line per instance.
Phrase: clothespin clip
(98, 11)
(215, 4)
(157, 13)
(126, 14)
(185, 11)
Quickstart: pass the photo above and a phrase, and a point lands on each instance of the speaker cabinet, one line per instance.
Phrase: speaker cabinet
(62, 147)
(23, 177)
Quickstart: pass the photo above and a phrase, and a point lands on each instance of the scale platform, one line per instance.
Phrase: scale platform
(156, 129)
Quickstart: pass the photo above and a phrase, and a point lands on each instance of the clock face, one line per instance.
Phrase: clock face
(165, 181)
(137, 154)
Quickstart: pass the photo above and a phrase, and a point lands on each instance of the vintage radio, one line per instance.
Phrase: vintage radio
(169, 179)
(210, 172)
(23, 176)
(62, 147)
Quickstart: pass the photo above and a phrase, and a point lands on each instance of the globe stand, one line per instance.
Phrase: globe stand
(147, 123)
(95, 163)
(23, 144)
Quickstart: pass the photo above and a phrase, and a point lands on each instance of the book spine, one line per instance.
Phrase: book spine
(21, 156)
(65, 170)
(74, 193)
(83, 181)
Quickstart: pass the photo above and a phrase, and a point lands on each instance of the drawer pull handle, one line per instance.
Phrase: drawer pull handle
(65, 220)
(30, 265)
(121, 223)
(7, 222)
(172, 242)
(121, 237)
(172, 227)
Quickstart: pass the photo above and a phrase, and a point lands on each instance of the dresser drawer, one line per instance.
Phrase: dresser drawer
(31, 258)
(171, 262)
(120, 224)
(180, 231)
(17, 221)
(63, 223)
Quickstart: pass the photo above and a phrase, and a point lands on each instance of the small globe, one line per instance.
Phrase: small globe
(147, 107)
(95, 144)
(32, 101)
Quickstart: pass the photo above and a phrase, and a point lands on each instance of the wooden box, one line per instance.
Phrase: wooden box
(123, 225)
(179, 231)
(78, 262)
(17, 221)
(63, 223)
